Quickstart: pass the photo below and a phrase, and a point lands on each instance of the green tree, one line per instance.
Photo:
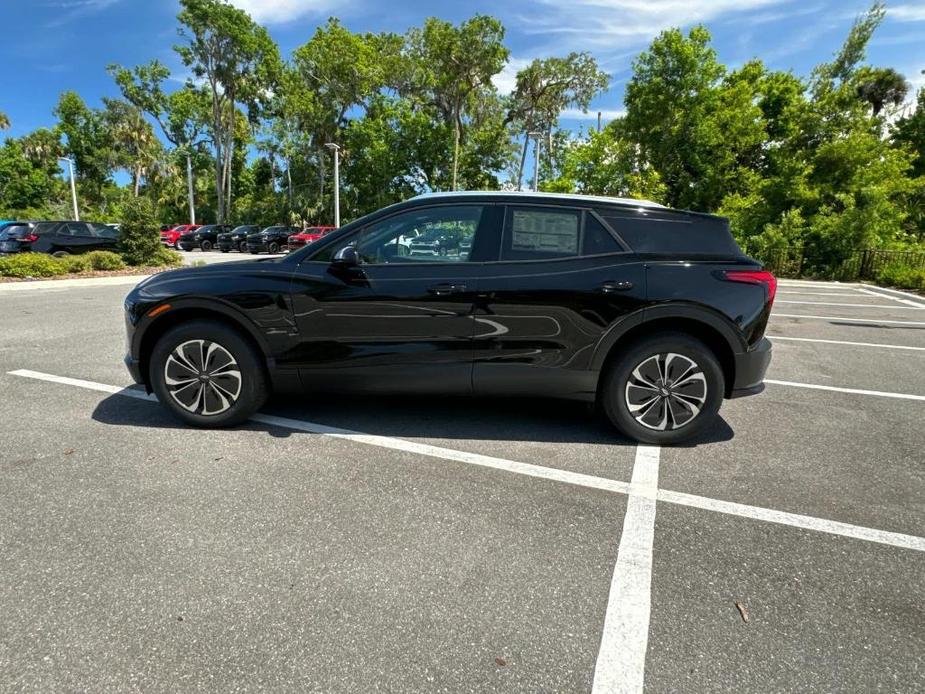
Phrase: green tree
(4, 121)
(453, 64)
(548, 86)
(239, 63)
(88, 142)
(881, 87)
(135, 146)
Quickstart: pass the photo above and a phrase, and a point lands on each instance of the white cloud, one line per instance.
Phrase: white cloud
(907, 13)
(74, 9)
(608, 23)
(506, 80)
(607, 114)
(281, 11)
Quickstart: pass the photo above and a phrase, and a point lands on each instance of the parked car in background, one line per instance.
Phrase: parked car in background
(14, 229)
(306, 237)
(170, 237)
(437, 241)
(204, 238)
(61, 238)
(270, 240)
(652, 314)
(236, 239)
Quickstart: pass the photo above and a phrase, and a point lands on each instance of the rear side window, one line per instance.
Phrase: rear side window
(540, 234)
(598, 239)
(680, 233)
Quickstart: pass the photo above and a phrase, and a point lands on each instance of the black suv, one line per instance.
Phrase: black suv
(236, 239)
(203, 238)
(270, 240)
(653, 314)
(59, 238)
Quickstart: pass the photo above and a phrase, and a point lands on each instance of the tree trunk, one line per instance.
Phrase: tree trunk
(137, 182)
(289, 181)
(455, 148)
(523, 160)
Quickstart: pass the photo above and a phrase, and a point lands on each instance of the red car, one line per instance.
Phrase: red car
(306, 237)
(171, 237)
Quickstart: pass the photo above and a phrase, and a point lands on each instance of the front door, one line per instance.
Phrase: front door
(402, 318)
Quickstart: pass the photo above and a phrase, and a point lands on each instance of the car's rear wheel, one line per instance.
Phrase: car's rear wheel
(663, 389)
(272, 248)
(242, 247)
(207, 374)
(60, 254)
(206, 246)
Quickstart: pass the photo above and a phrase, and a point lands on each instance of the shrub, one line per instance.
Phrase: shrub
(902, 276)
(31, 265)
(105, 260)
(140, 236)
(166, 258)
(76, 263)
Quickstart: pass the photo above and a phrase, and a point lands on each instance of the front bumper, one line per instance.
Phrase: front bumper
(750, 368)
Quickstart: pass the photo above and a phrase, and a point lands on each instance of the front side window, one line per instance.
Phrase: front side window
(540, 234)
(429, 235)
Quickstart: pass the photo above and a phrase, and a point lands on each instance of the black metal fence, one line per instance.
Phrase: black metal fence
(863, 264)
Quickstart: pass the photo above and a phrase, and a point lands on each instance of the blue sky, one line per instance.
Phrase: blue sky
(52, 45)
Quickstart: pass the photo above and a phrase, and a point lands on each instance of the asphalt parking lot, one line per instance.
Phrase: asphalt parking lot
(332, 545)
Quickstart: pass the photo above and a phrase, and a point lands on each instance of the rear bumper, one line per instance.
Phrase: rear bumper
(750, 368)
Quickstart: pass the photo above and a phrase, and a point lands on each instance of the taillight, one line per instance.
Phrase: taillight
(755, 277)
(29, 238)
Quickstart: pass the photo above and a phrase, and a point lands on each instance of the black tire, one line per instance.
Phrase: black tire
(60, 254)
(273, 248)
(205, 246)
(251, 389)
(683, 412)
(242, 247)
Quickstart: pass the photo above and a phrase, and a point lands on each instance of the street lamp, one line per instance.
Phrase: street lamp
(336, 148)
(70, 166)
(536, 135)
(189, 186)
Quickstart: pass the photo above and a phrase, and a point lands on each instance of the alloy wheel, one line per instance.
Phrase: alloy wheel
(202, 377)
(666, 391)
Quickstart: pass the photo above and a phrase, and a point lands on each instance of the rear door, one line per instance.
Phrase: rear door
(396, 321)
(562, 279)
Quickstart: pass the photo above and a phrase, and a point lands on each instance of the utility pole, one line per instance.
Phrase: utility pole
(336, 148)
(189, 185)
(536, 135)
(70, 166)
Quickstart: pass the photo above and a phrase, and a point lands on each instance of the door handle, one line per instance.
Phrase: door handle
(612, 287)
(446, 289)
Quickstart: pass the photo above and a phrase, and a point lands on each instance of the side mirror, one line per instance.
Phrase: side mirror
(346, 257)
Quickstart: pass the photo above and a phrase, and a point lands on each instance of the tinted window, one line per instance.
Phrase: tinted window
(43, 228)
(540, 233)
(678, 233)
(78, 229)
(597, 239)
(433, 234)
(14, 231)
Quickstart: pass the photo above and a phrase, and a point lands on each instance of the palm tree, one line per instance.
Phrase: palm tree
(4, 121)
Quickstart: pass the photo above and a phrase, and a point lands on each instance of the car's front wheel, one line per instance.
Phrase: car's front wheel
(207, 374)
(664, 389)
(242, 247)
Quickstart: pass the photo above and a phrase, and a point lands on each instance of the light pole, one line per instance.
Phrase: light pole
(336, 148)
(189, 185)
(536, 135)
(70, 167)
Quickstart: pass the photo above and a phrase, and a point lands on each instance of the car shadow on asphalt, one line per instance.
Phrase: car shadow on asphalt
(507, 419)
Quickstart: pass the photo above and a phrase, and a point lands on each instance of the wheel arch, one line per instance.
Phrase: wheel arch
(715, 332)
(186, 312)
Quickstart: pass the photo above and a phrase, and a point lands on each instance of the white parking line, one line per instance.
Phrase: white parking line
(843, 319)
(621, 659)
(853, 391)
(900, 299)
(883, 537)
(848, 293)
(775, 338)
(835, 303)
